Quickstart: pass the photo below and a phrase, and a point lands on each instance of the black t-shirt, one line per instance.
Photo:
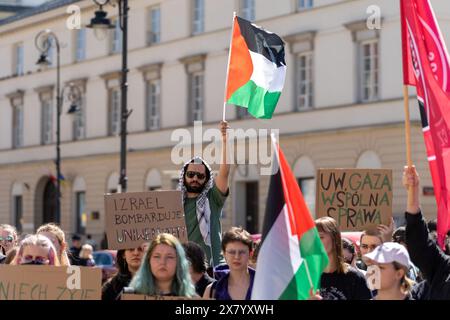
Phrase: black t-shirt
(201, 284)
(344, 286)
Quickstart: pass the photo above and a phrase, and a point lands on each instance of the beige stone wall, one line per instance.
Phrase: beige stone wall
(326, 149)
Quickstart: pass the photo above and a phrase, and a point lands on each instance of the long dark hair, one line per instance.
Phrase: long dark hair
(329, 226)
(122, 264)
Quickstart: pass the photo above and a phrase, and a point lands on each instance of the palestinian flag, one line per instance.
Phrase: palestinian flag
(256, 69)
(291, 258)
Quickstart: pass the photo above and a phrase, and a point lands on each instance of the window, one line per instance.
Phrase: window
(305, 4)
(369, 70)
(242, 113)
(304, 171)
(79, 125)
(116, 38)
(247, 9)
(114, 111)
(369, 160)
(18, 60)
(153, 181)
(153, 103)
(17, 126)
(196, 96)
(198, 7)
(18, 212)
(304, 80)
(80, 44)
(308, 188)
(46, 121)
(81, 214)
(50, 52)
(154, 26)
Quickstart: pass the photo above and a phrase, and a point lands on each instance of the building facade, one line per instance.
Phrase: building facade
(341, 105)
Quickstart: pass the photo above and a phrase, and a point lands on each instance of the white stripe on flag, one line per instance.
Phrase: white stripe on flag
(266, 74)
(431, 158)
(278, 260)
(425, 129)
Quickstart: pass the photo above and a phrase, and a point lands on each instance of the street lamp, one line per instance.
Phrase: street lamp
(43, 41)
(102, 23)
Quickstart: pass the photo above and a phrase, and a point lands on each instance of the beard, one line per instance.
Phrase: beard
(195, 188)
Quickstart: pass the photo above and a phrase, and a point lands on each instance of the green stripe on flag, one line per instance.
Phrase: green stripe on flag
(312, 251)
(259, 102)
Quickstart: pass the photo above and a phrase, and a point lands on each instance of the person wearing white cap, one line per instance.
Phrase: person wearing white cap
(387, 272)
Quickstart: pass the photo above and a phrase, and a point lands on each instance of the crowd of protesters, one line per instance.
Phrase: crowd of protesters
(387, 264)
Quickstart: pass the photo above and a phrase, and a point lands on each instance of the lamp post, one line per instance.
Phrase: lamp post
(100, 22)
(43, 41)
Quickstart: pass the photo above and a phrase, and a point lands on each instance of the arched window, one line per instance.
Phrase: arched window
(305, 173)
(17, 205)
(112, 183)
(153, 180)
(79, 189)
(369, 160)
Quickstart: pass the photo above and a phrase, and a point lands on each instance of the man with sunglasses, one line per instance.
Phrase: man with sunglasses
(203, 198)
(8, 237)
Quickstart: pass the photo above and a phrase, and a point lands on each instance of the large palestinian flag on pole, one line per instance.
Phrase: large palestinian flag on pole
(291, 258)
(256, 69)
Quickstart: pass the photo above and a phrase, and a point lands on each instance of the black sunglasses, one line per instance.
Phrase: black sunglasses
(192, 174)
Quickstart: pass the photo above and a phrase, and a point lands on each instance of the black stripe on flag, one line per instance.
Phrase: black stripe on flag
(260, 41)
(275, 202)
(423, 114)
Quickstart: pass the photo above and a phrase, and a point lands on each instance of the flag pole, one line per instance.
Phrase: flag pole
(228, 69)
(274, 143)
(408, 139)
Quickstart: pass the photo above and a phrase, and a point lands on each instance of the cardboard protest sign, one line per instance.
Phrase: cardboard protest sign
(137, 217)
(132, 296)
(357, 199)
(50, 283)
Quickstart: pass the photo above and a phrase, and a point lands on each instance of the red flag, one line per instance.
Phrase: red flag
(426, 66)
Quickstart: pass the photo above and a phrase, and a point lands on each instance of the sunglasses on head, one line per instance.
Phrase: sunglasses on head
(192, 174)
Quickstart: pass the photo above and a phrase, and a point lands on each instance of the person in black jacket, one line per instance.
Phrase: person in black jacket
(128, 262)
(197, 266)
(424, 252)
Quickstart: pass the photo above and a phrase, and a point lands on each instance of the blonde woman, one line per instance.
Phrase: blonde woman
(391, 263)
(55, 234)
(36, 250)
(86, 258)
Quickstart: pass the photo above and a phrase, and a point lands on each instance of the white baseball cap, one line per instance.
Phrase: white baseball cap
(389, 252)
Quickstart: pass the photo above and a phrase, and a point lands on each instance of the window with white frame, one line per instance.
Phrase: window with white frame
(154, 25)
(304, 80)
(153, 104)
(18, 67)
(305, 4)
(17, 126)
(198, 16)
(79, 122)
(80, 44)
(116, 38)
(304, 171)
(114, 111)
(16, 100)
(196, 96)
(369, 70)
(46, 121)
(17, 205)
(247, 9)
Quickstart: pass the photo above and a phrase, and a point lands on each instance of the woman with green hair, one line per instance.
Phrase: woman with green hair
(164, 270)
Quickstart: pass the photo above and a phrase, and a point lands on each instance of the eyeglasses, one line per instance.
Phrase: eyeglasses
(7, 239)
(238, 252)
(192, 174)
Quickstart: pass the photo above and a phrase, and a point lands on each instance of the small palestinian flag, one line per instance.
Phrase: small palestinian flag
(257, 69)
